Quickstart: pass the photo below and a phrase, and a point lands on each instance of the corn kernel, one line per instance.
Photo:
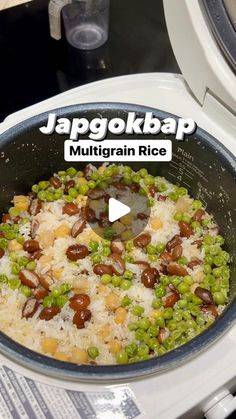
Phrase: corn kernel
(62, 231)
(114, 346)
(61, 356)
(79, 356)
(49, 345)
(101, 170)
(56, 273)
(120, 315)
(13, 245)
(21, 202)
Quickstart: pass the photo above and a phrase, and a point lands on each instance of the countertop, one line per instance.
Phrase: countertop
(35, 67)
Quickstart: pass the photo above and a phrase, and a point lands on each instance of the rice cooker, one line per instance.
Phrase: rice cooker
(198, 378)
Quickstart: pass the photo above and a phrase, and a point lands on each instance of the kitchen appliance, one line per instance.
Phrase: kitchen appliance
(203, 383)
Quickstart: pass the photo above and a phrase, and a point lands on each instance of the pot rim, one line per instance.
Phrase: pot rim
(65, 370)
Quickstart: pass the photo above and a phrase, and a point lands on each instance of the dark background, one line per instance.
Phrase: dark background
(34, 67)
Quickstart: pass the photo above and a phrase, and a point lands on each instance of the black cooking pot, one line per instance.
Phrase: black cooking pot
(200, 163)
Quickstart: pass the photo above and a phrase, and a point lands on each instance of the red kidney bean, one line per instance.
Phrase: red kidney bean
(46, 281)
(102, 268)
(69, 184)
(185, 229)
(16, 219)
(149, 277)
(198, 243)
(77, 251)
(166, 257)
(162, 198)
(175, 241)
(55, 182)
(79, 301)
(164, 333)
(103, 220)
(6, 218)
(117, 263)
(31, 246)
(177, 252)
(34, 228)
(78, 227)
(70, 209)
(48, 313)
(172, 288)
(35, 206)
(143, 240)
(193, 263)
(40, 293)
(175, 269)
(171, 299)
(134, 187)
(117, 247)
(120, 186)
(36, 255)
(30, 307)
(88, 214)
(2, 253)
(88, 170)
(29, 278)
(96, 193)
(204, 294)
(80, 317)
(153, 190)
(198, 215)
(209, 309)
(142, 264)
(142, 216)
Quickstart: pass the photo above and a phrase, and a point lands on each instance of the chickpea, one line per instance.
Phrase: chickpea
(62, 231)
(46, 239)
(105, 331)
(13, 246)
(120, 315)
(79, 356)
(112, 301)
(45, 260)
(156, 223)
(49, 345)
(114, 346)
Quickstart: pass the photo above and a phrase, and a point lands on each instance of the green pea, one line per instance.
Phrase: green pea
(10, 235)
(182, 303)
(73, 193)
(62, 173)
(23, 221)
(58, 194)
(106, 279)
(125, 284)
(151, 249)
(183, 260)
(122, 357)
(131, 349)
(129, 246)
(127, 169)
(93, 352)
(191, 324)
(209, 259)
(182, 191)
(129, 258)
(137, 310)
(42, 196)
(140, 334)
(133, 326)
(153, 258)
(108, 233)
(95, 175)
(116, 280)
(26, 291)
(217, 272)
(160, 291)
(96, 258)
(144, 324)
(148, 180)
(183, 287)
(14, 283)
(91, 184)
(207, 269)
(153, 331)
(143, 172)
(195, 224)
(162, 187)
(186, 218)
(106, 243)
(171, 324)
(61, 300)
(56, 292)
(143, 349)
(150, 202)
(200, 319)
(219, 298)
(142, 192)
(196, 300)
(126, 301)
(48, 301)
(35, 188)
(177, 316)
(160, 247)
(187, 315)
(106, 251)
(178, 216)
(31, 265)
(83, 189)
(49, 196)
(188, 280)
(3, 279)
(128, 275)
(173, 196)
(93, 245)
(160, 321)
(196, 204)
(65, 288)
(220, 240)
(43, 184)
(168, 313)
(153, 344)
(13, 258)
(15, 268)
(127, 180)
(175, 280)
(71, 172)
(165, 280)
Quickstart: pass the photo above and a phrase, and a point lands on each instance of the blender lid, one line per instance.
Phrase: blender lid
(203, 37)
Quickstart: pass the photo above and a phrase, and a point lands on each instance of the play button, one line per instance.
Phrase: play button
(116, 210)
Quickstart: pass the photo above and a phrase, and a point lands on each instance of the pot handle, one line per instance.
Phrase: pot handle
(54, 11)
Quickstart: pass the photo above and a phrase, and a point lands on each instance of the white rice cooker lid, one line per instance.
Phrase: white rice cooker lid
(201, 59)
